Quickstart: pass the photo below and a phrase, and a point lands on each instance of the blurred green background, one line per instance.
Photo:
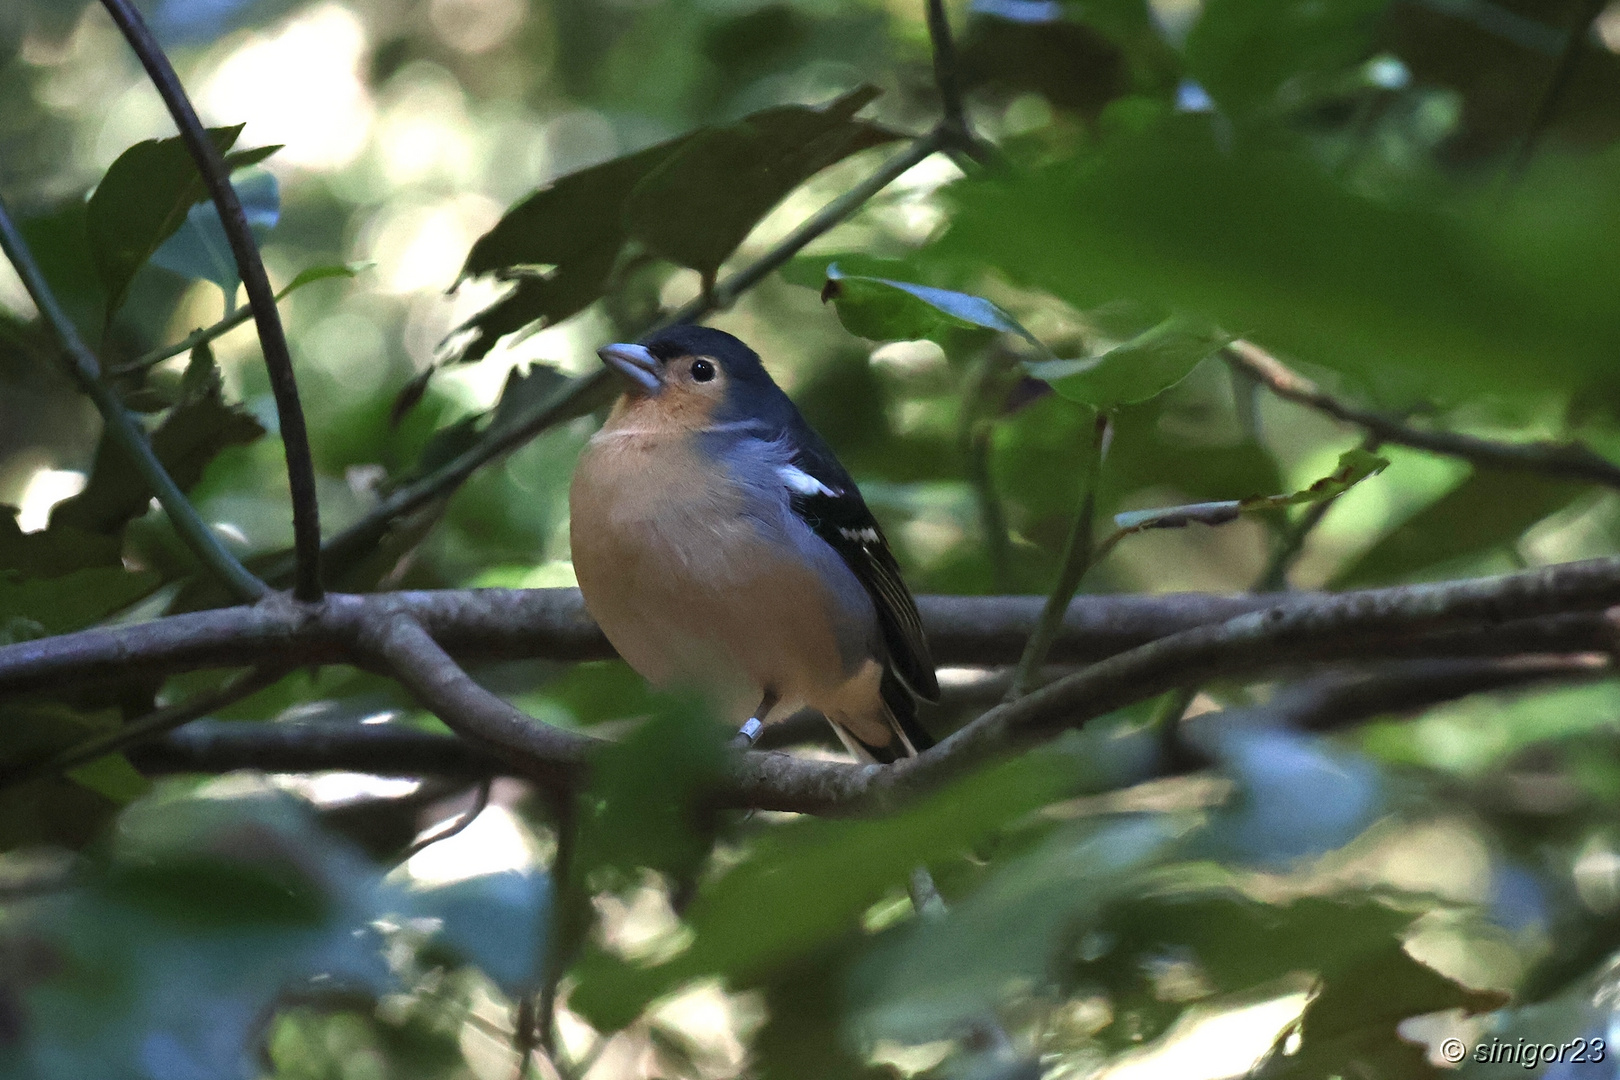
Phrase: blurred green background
(1414, 203)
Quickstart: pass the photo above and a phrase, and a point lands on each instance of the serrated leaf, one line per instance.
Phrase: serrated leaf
(189, 438)
(1354, 466)
(698, 203)
(144, 198)
(1136, 370)
(560, 245)
(200, 249)
(882, 309)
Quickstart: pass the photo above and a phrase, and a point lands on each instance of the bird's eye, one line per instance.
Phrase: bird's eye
(702, 371)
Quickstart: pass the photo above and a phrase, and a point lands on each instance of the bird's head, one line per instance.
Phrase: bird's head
(692, 376)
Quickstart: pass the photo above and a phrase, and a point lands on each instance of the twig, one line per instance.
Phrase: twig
(566, 402)
(954, 120)
(249, 266)
(1078, 557)
(1568, 460)
(445, 830)
(86, 370)
(1568, 58)
(975, 439)
(147, 727)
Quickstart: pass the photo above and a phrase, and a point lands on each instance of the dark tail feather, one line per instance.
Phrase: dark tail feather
(903, 714)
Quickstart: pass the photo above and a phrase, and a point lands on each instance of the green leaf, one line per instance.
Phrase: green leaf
(1455, 294)
(1139, 369)
(112, 776)
(881, 309)
(310, 275)
(705, 197)
(816, 877)
(642, 808)
(1244, 51)
(1354, 467)
(560, 245)
(189, 438)
(71, 602)
(144, 198)
(936, 975)
(1487, 512)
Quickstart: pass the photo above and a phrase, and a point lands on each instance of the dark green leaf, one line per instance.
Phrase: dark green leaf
(886, 310)
(817, 877)
(559, 245)
(643, 806)
(1243, 51)
(1486, 512)
(144, 198)
(697, 204)
(113, 777)
(1136, 370)
(62, 604)
(187, 440)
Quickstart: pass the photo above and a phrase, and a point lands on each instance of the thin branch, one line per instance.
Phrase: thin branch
(1563, 73)
(945, 72)
(578, 395)
(86, 370)
(250, 267)
(208, 746)
(147, 727)
(1566, 460)
(1077, 559)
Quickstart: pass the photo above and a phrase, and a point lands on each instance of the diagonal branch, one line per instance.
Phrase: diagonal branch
(250, 267)
(1567, 460)
(86, 371)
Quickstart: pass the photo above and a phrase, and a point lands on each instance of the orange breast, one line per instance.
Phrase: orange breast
(685, 587)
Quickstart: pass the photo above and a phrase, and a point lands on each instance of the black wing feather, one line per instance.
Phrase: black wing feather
(844, 522)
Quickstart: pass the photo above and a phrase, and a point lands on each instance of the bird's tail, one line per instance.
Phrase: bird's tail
(908, 739)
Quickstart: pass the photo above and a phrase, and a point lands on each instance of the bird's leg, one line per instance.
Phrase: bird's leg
(756, 723)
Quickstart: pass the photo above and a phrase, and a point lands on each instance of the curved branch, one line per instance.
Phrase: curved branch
(272, 338)
(1567, 460)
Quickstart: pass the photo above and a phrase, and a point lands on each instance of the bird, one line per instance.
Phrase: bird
(720, 544)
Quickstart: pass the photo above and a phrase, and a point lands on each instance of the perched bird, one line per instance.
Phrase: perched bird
(720, 544)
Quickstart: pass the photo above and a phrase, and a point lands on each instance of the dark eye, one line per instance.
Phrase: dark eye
(702, 371)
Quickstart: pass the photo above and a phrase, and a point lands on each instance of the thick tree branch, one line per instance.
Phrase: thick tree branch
(272, 338)
(1567, 460)
(478, 625)
(86, 371)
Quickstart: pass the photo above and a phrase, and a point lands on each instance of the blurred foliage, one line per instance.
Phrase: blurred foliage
(1398, 197)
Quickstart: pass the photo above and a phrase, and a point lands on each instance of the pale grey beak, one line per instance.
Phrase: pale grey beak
(635, 363)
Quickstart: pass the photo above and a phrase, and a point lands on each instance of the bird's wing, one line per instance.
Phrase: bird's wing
(826, 499)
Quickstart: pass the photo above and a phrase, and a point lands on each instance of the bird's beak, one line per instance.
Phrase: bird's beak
(635, 363)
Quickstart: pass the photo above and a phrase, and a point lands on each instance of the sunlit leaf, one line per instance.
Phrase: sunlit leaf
(1135, 370)
(885, 310)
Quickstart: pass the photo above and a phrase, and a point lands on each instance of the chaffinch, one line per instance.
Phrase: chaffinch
(719, 543)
